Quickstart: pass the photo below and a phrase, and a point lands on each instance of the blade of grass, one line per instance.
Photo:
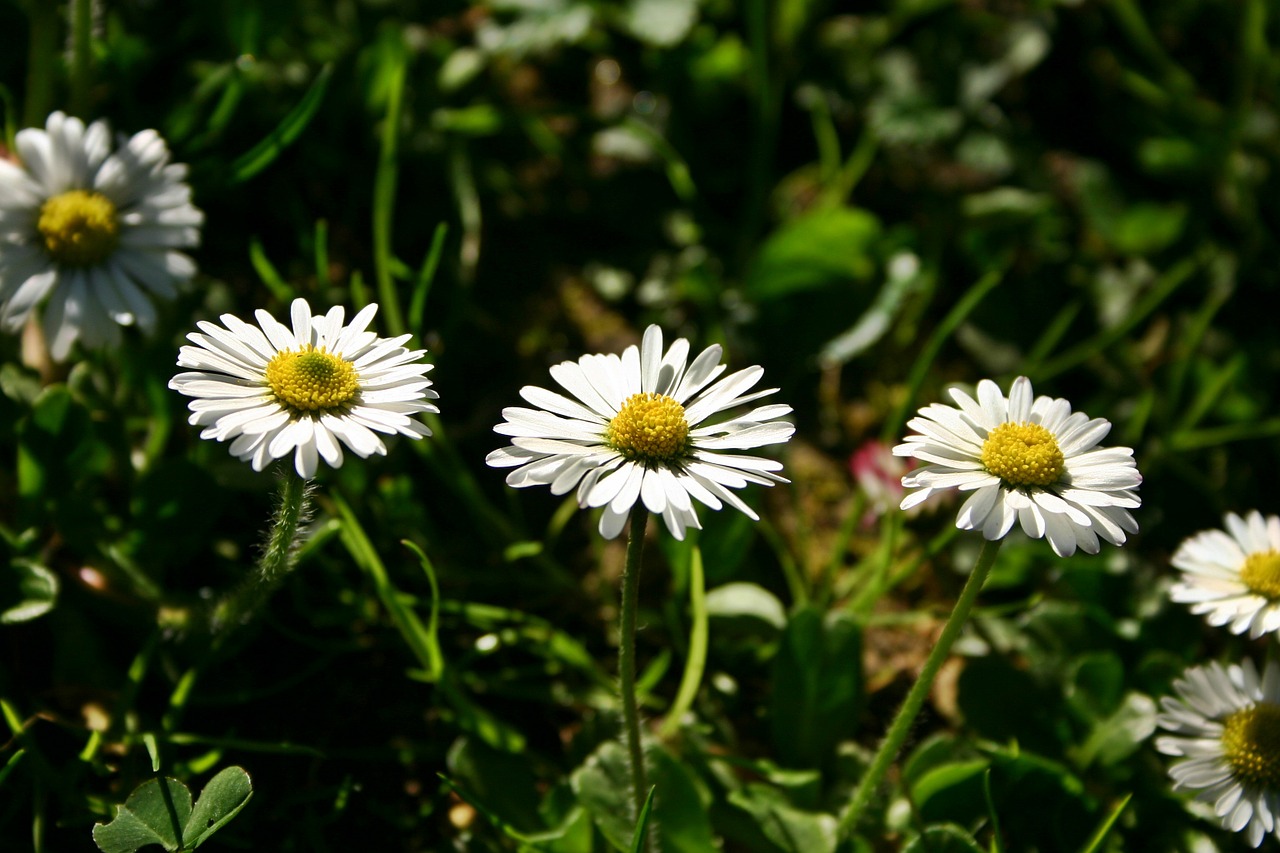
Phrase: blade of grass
(426, 276)
(997, 844)
(971, 299)
(270, 276)
(469, 214)
(322, 254)
(1095, 843)
(642, 823)
(11, 764)
(433, 621)
(415, 634)
(1173, 278)
(286, 133)
(384, 196)
(697, 661)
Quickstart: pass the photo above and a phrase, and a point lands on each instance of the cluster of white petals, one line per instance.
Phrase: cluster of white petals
(91, 234)
(566, 442)
(236, 401)
(1232, 576)
(1085, 495)
(1204, 722)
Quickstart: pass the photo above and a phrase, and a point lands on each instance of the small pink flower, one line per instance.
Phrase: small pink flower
(879, 473)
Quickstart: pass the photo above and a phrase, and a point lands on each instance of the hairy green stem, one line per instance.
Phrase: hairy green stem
(901, 726)
(240, 604)
(81, 55)
(627, 659)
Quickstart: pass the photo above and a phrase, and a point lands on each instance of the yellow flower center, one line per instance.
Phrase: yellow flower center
(1023, 454)
(1261, 573)
(312, 380)
(1251, 744)
(649, 428)
(80, 229)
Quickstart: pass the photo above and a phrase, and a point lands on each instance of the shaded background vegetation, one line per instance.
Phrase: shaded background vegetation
(872, 200)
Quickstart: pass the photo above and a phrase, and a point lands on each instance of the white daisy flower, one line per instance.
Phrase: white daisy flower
(635, 430)
(1233, 576)
(1026, 459)
(91, 233)
(1226, 724)
(306, 390)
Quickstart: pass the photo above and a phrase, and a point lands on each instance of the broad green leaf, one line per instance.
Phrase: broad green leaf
(1120, 735)
(790, 828)
(27, 590)
(951, 791)
(817, 687)
(151, 815)
(820, 250)
(221, 800)
(602, 784)
(164, 816)
(503, 781)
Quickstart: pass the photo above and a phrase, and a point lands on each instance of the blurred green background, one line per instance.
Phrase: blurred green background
(872, 200)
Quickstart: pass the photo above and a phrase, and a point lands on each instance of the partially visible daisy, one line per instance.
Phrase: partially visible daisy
(634, 430)
(1226, 724)
(1233, 576)
(1028, 460)
(93, 234)
(307, 390)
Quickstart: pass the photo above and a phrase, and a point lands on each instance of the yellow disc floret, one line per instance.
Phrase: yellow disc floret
(1261, 573)
(1023, 454)
(312, 380)
(649, 428)
(1251, 744)
(79, 228)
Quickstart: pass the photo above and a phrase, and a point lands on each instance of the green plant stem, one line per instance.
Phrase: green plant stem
(901, 726)
(81, 55)
(239, 606)
(42, 59)
(627, 658)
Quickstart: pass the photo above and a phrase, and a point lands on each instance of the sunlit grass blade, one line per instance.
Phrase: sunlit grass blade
(929, 352)
(11, 764)
(697, 660)
(642, 823)
(997, 843)
(266, 271)
(1095, 843)
(384, 195)
(426, 276)
(433, 621)
(1165, 286)
(420, 640)
(322, 254)
(286, 133)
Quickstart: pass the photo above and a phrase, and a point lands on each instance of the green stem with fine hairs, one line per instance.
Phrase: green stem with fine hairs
(627, 661)
(81, 56)
(901, 726)
(240, 604)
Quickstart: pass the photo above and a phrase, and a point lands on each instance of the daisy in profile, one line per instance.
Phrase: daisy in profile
(1232, 576)
(1225, 724)
(92, 234)
(635, 428)
(1028, 460)
(308, 390)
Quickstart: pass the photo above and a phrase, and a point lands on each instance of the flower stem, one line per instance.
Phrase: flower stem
(240, 604)
(627, 659)
(81, 56)
(901, 726)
